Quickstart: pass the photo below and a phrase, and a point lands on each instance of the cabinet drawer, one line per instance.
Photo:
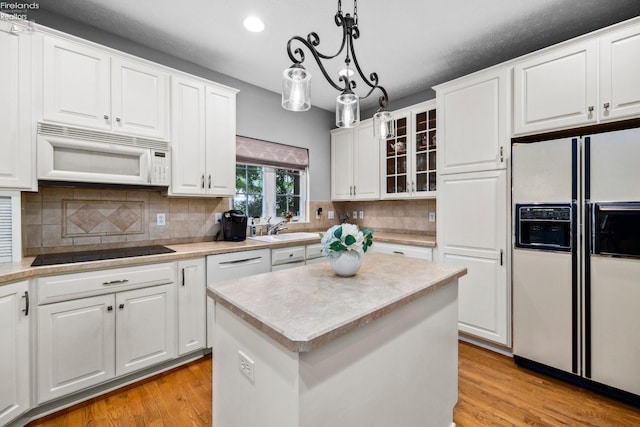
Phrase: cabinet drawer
(404, 250)
(314, 251)
(287, 255)
(79, 285)
(287, 266)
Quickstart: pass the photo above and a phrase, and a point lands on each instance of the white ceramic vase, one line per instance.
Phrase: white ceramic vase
(347, 263)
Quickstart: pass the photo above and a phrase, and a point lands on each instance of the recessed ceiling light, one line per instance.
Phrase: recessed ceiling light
(254, 24)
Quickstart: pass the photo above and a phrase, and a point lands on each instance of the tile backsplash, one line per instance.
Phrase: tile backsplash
(399, 216)
(62, 219)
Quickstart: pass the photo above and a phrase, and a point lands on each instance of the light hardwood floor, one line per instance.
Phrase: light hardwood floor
(492, 392)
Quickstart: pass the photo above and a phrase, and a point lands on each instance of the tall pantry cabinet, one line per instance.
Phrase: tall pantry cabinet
(473, 132)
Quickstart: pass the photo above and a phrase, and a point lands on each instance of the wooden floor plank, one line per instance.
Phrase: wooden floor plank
(493, 391)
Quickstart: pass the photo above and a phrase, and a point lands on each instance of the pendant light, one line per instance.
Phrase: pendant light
(296, 93)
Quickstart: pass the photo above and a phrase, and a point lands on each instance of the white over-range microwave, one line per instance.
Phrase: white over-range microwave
(87, 156)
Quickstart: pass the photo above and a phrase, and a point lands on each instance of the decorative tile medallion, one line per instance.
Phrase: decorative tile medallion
(83, 218)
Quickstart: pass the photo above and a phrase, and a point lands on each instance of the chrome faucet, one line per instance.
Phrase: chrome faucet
(276, 228)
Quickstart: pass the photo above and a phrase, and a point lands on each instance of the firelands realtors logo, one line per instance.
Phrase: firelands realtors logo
(15, 10)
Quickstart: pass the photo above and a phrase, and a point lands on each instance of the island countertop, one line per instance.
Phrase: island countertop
(304, 308)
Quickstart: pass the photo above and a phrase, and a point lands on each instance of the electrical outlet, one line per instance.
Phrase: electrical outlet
(432, 217)
(354, 214)
(330, 215)
(361, 215)
(161, 219)
(218, 217)
(247, 366)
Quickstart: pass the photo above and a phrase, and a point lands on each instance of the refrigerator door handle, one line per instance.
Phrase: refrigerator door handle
(588, 242)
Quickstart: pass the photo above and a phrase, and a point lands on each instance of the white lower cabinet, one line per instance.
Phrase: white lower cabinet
(283, 258)
(145, 327)
(403, 250)
(192, 304)
(14, 351)
(76, 345)
(112, 331)
(472, 232)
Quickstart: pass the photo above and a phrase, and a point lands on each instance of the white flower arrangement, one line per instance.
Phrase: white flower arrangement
(345, 237)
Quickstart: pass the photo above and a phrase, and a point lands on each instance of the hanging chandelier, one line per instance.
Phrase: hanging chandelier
(296, 88)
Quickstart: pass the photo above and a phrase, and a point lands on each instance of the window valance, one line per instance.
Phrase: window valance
(265, 153)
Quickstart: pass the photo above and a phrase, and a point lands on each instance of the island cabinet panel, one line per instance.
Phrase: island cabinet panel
(386, 373)
(14, 351)
(308, 348)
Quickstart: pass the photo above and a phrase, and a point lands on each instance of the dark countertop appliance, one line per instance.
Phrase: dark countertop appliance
(234, 226)
(103, 254)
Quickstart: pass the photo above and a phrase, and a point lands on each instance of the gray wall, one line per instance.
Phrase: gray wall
(259, 114)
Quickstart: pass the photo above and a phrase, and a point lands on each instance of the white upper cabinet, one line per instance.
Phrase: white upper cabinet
(620, 74)
(203, 138)
(355, 163)
(342, 164)
(220, 129)
(140, 98)
(408, 160)
(473, 122)
(592, 81)
(557, 89)
(86, 86)
(16, 142)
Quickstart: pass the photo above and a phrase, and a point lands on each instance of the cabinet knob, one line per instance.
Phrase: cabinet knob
(606, 105)
(118, 119)
(110, 308)
(121, 306)
(202, 181)
(106, 117)
(354, 190)
(590, 108)
(209, 180)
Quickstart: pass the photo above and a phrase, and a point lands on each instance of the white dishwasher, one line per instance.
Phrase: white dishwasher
(233, 266)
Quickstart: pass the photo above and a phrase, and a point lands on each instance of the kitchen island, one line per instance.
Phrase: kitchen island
(304, 347)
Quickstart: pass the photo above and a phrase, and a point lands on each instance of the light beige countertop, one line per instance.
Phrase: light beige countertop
(12, 272)
(306, 307)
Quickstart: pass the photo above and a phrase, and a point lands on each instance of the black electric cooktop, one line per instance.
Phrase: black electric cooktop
(84, 256)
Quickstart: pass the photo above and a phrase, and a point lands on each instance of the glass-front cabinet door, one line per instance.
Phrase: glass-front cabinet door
(425, 152)
(409, 158)
(397, 183)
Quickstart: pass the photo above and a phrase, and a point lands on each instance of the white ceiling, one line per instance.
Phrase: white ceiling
(411, 44)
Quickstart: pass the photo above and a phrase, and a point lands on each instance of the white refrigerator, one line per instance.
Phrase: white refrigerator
(576, 259)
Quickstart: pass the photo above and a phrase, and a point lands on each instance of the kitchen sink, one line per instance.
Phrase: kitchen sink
(286, 237)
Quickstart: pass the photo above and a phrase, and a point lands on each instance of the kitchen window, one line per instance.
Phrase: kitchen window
(271, 179)
(270, 192)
